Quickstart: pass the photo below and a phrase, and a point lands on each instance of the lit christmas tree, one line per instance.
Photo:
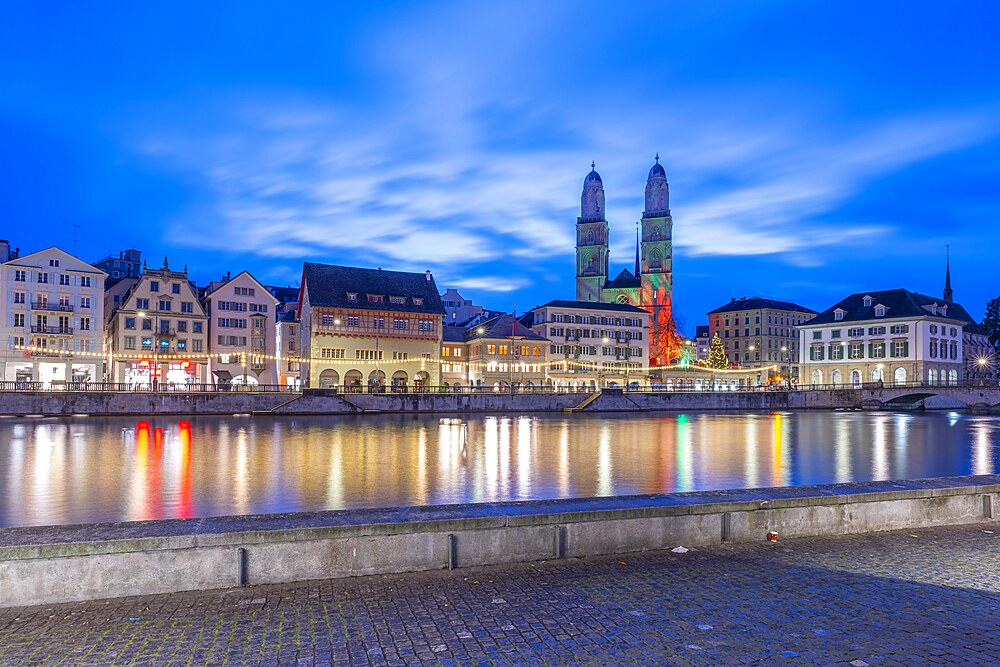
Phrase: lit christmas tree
(716, 354)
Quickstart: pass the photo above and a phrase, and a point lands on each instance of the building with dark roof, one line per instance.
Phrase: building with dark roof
(758, 332)
(885, 336)
(366, 329)
(593, 344)
(500, 351)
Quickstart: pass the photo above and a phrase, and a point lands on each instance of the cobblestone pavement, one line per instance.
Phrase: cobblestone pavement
(907, 598)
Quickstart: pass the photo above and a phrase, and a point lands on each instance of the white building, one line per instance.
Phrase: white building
(241, 331)
(593, 344)
(52, 306)
(890, 336)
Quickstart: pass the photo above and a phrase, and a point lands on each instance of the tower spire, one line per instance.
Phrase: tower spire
(948, 293)
(637, 265)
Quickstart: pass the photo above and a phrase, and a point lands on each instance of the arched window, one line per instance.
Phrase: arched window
(817, 377)
(877, 375)
(622, 299)
(932, 376)
(655, 261)
(899, 376)
(856, 378)
(953, 376)
(835, 377)
(656, 233)
(588, 263)
(590, 237)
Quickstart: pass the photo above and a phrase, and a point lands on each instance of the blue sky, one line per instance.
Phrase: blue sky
(813, 150)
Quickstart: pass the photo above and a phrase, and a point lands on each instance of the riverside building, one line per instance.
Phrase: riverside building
(760, 332)
(369, 329)
(241, 331)
(593, 345)
(51, 323)
(157, 330)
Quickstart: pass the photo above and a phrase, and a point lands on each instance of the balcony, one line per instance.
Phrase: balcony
(52, 307)
(56, 331)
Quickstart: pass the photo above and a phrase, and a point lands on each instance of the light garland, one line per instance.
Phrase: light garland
(552, 365)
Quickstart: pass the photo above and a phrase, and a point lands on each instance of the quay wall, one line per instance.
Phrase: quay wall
(329, 402)
(75, 563)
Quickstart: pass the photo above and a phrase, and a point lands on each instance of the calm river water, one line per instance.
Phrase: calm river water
(63, 471)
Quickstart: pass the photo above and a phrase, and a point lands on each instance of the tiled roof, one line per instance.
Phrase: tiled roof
(760, 303)
(328, 286)
(898, 303)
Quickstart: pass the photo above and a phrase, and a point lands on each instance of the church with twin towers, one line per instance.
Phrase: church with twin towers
(649, 284)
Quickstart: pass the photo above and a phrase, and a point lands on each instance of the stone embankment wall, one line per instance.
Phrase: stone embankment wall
(73, 563)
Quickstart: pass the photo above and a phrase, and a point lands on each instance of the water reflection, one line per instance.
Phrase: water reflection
(70, 471)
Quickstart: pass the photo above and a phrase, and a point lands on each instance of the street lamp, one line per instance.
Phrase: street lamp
(480, 331)
(788, 367)
(982, 362)
(600, 369)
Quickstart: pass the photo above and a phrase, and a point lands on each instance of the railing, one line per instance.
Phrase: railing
(127, 387)
(64, 331)
(52, 307)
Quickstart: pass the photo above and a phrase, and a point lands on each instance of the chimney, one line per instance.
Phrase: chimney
(428, 275)
(229, 275)
(4, 250)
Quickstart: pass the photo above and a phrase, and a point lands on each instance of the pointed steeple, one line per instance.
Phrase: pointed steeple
(948, 293)
(637, 265)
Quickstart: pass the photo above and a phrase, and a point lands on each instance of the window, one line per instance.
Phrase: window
(43, 277)
(85, 302)
(196, 327)
(867, 302)
(876, 331)
(933, 328)
(353, 321)
(954, 332)
(836, 352)
(331, 353)
(142, 304)
(835, 333)
(164, 305)
(175, 288)
(397, 299)
(85, 323)
(880, 311)
(147, 343)
(378, 322)
(368, 355)
(856, 332)
(876, 349)
(18, 297)
(182, 345)
(425, 325)
(326, 320)
(352, 296)
(374, 298)
(85, 281)
(236, 341)
(400, 356)
(900, 348)
(182, 325)
(838, 314)
(64, 279)
(53, 262)
(196, 346)
(154, 285)
(232, 323)
(856, 351)
(816, 353)
(491, 349)
(400, 324)
(817, 335)
(20, 276)
(187, 307)
(243, 291)
(899, 328)
(418, 301)
(18, 319)
(933, 348)
(129, 342)
(258, 307)
(147, 324)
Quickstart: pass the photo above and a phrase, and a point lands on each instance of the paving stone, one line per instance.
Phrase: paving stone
(880, 599)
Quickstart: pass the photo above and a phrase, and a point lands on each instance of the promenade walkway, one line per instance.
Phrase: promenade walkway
(904, 598)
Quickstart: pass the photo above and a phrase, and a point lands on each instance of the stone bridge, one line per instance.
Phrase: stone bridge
(978, 399)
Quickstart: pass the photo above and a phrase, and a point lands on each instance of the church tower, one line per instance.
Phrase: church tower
(657, 265)
(591, 240)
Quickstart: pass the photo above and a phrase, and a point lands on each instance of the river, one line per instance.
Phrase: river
(85, 470)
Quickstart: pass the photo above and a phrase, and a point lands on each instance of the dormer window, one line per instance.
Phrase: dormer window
(418, 301)
(374, 298)
(880, 311)
(868, 302)
(839, 314)
(352, 296)
(397, 299)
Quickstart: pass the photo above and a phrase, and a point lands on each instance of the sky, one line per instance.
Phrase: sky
(813, 150)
